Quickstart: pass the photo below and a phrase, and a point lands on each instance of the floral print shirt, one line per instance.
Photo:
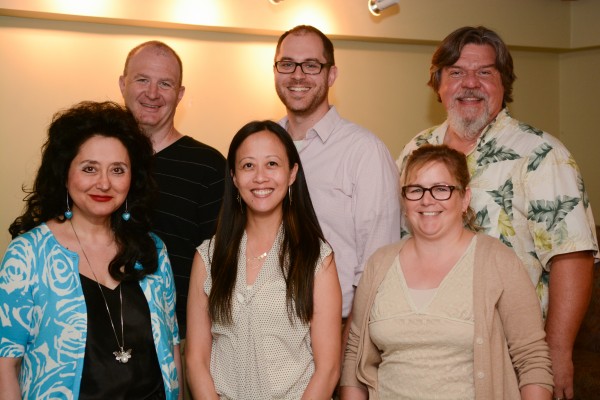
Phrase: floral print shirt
(527, 191)
(43, 317)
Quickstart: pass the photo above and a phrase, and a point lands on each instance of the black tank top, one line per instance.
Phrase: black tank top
(103, 376)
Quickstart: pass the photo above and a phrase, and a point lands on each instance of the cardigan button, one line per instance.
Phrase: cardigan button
(480, 375)
(479, 340)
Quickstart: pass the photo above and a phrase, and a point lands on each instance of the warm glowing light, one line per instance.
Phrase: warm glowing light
(196, 12)
(81, 7)
(315, 16)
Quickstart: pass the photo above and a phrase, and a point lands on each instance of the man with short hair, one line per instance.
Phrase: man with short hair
(190, 174)
(526, 188)
(351, 176)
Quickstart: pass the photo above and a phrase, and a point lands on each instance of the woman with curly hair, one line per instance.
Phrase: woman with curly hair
(87, 292)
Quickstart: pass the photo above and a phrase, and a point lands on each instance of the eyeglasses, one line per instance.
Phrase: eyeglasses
(308, 67)
(438, 192)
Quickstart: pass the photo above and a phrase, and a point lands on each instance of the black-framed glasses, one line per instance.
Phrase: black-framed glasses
(308, 67)
(438, 192)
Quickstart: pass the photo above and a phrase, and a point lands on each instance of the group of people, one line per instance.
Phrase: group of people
(307, 264)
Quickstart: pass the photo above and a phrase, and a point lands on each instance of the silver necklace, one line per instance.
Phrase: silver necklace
(121, 355)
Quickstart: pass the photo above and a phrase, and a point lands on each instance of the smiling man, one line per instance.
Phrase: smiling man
(351, 176)
(526, 188)
(190, 174)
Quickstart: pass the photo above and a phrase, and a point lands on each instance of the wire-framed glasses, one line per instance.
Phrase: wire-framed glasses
(438, 192)
(308, 67)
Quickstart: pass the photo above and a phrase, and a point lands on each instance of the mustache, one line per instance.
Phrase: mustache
(471, 93)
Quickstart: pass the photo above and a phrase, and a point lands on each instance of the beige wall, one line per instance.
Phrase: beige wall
(48, 64)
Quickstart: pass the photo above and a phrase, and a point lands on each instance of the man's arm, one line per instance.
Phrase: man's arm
(570, 291)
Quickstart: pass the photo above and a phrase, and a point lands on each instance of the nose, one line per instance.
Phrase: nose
(427, 198)
(103, 182)
(152, 91)
(260, 175)
(470, 79)
(298, 73)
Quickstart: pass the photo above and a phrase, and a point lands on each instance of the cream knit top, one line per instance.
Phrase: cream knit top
(427, 352)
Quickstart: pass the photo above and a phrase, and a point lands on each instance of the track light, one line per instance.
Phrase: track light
(275, 1)
(376, 6)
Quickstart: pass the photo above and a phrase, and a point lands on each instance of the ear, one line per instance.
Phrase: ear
(293, 173)
(122, 85)
(234, 179)
(332, 76)
(180, 94)
(466, 199)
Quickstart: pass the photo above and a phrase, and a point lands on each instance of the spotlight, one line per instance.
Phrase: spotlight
(275, 1)
(376, 6)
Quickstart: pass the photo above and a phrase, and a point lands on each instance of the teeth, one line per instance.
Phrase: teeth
(262, 192)
(299, 89)
(430, 213)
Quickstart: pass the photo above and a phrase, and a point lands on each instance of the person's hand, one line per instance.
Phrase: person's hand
(562, 368)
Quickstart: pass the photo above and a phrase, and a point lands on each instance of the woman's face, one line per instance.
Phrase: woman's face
(99, 178)
(431, 218)
(262, 174)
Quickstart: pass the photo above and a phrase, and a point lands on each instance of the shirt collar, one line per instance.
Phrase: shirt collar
(323, 128)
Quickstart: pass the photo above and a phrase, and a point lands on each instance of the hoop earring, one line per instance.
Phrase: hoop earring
(290, 193)
(68, 214)
(126, 214)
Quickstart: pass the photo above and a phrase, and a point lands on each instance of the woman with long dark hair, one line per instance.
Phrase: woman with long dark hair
(265, 302)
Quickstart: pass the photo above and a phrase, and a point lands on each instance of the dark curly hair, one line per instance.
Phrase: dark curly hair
(451, 47)
(300, 250)
(47, 198)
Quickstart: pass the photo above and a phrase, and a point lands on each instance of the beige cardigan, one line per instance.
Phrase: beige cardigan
(508, 325)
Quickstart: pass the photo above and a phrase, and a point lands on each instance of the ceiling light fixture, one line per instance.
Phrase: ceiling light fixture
(376, 6)
(275, 1)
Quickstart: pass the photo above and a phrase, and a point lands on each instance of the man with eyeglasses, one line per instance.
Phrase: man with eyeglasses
(351, 176)
(526, 188)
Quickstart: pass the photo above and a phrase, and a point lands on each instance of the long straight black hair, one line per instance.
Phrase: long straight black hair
(302, 235)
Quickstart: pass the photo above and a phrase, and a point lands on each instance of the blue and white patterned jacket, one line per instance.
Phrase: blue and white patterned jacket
(43, 316)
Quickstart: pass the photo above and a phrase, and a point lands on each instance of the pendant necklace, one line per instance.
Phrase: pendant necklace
(121, 355)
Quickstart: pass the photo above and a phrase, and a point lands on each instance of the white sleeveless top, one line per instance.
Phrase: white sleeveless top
(262, 355)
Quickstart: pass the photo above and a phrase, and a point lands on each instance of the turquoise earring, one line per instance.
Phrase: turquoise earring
(126, 214)
(68, 214)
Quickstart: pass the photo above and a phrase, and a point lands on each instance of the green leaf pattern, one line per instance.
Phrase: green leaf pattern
(530, 129)
(503, 196)
(551, 212)
(538, 156)
(491, 153)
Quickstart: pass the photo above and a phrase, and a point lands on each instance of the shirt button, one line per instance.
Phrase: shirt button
(479, 340)
(240, 297)
(480, 375)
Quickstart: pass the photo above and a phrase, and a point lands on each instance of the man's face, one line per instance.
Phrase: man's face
(151, 88)
(471, 90)
(303, 94)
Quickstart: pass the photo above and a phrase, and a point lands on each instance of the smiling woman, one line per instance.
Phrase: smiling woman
(264, 293)
(437, 312)
(82, 255)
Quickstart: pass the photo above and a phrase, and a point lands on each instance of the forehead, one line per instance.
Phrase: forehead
(431, 172)
(103, 148)
(153, 59)
(476, 55)
(301, 47)
(263, 143)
